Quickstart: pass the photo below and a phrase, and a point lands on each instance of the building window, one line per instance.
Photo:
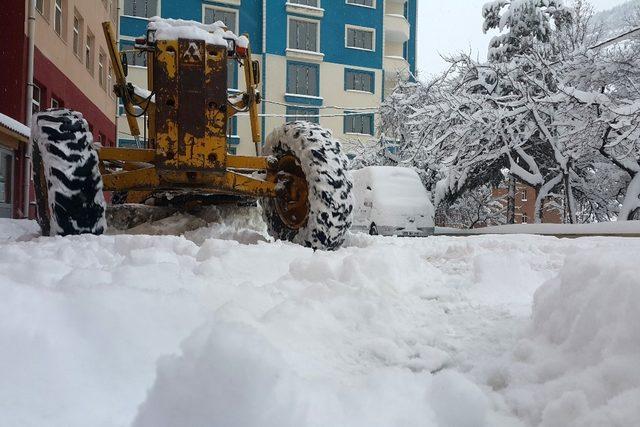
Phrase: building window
(229, 18)
(6, 163)
(55, 103)
(296, 114)
(525, 219)
(57, 18)
(524, 195)
(134, 58)
(358, 123)
(141, 8)
(89, 51)
(366, 3)
(110, 81)
(312, 3)
(37, 98)
(40, 6)
(302, 79)
(360, 38)
(363, 81)
(102, 78)
(77, 34)
(303, 35)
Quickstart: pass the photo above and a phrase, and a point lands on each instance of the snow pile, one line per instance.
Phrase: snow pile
(228, 375)
(241, 224)
(613, 228)
(215, 34)
(579, 364)
(12, 230)
(200, 331)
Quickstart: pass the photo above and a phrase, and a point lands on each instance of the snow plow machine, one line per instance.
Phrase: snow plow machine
(299, 176)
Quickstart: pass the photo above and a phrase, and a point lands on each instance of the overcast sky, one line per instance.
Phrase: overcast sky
(450, 26)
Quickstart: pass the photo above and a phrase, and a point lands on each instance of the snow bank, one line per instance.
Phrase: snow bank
(578, 366)
(18, 230)
(228, 375)
(603, 228)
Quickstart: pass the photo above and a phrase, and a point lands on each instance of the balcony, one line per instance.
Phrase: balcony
(397, 28)
(394, 65)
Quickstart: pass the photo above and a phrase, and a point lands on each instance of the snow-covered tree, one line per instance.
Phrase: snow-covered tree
(524, 25)
(554, 114)
(474, 208)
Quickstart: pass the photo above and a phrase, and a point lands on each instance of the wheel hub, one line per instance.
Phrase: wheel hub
(292, 193)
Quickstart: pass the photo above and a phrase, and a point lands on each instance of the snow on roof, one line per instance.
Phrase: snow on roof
(14, 125)
(174, 29)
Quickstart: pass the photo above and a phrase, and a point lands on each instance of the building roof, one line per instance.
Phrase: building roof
(15, 126)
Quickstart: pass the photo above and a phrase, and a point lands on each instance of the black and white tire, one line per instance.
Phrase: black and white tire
(67, 179)
(325, 168)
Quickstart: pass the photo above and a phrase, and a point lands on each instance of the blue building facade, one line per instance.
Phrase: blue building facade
(328, 61)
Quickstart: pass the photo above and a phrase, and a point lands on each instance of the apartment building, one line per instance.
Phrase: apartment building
(326, 61)
(525, 205)
(71, 69)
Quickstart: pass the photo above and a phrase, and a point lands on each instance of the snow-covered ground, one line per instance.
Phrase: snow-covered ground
(219, 327)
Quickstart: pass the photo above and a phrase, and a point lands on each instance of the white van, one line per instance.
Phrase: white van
(391, 201)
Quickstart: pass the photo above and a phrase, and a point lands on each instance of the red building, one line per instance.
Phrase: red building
(71, 70)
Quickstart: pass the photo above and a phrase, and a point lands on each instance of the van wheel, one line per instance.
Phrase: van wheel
(373, 230)
(313, 207)
(67, 180)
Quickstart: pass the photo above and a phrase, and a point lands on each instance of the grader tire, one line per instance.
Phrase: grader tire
(329, 205)
(67, 180)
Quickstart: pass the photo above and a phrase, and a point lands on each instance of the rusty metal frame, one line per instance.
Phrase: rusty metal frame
(164, 163)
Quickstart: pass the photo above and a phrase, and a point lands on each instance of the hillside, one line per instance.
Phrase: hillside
(618, 19)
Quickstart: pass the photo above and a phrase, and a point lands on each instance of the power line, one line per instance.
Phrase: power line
(312, 115)
(321, 107)
(625, 36)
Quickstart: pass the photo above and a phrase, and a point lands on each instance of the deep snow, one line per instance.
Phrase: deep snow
(221, 328)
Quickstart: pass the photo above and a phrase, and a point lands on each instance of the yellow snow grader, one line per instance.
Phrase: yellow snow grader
(299, 175)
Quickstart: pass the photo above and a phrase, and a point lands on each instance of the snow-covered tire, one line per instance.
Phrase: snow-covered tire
(324, 165)
(67, 179)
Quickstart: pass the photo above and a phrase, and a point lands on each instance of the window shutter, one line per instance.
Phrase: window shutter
(293, 35)
(368, 83)
(291, 78)
(313, 36)
(313, 81)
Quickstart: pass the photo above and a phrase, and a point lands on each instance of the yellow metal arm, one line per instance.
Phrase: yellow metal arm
(121, 80)
(253, 105)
